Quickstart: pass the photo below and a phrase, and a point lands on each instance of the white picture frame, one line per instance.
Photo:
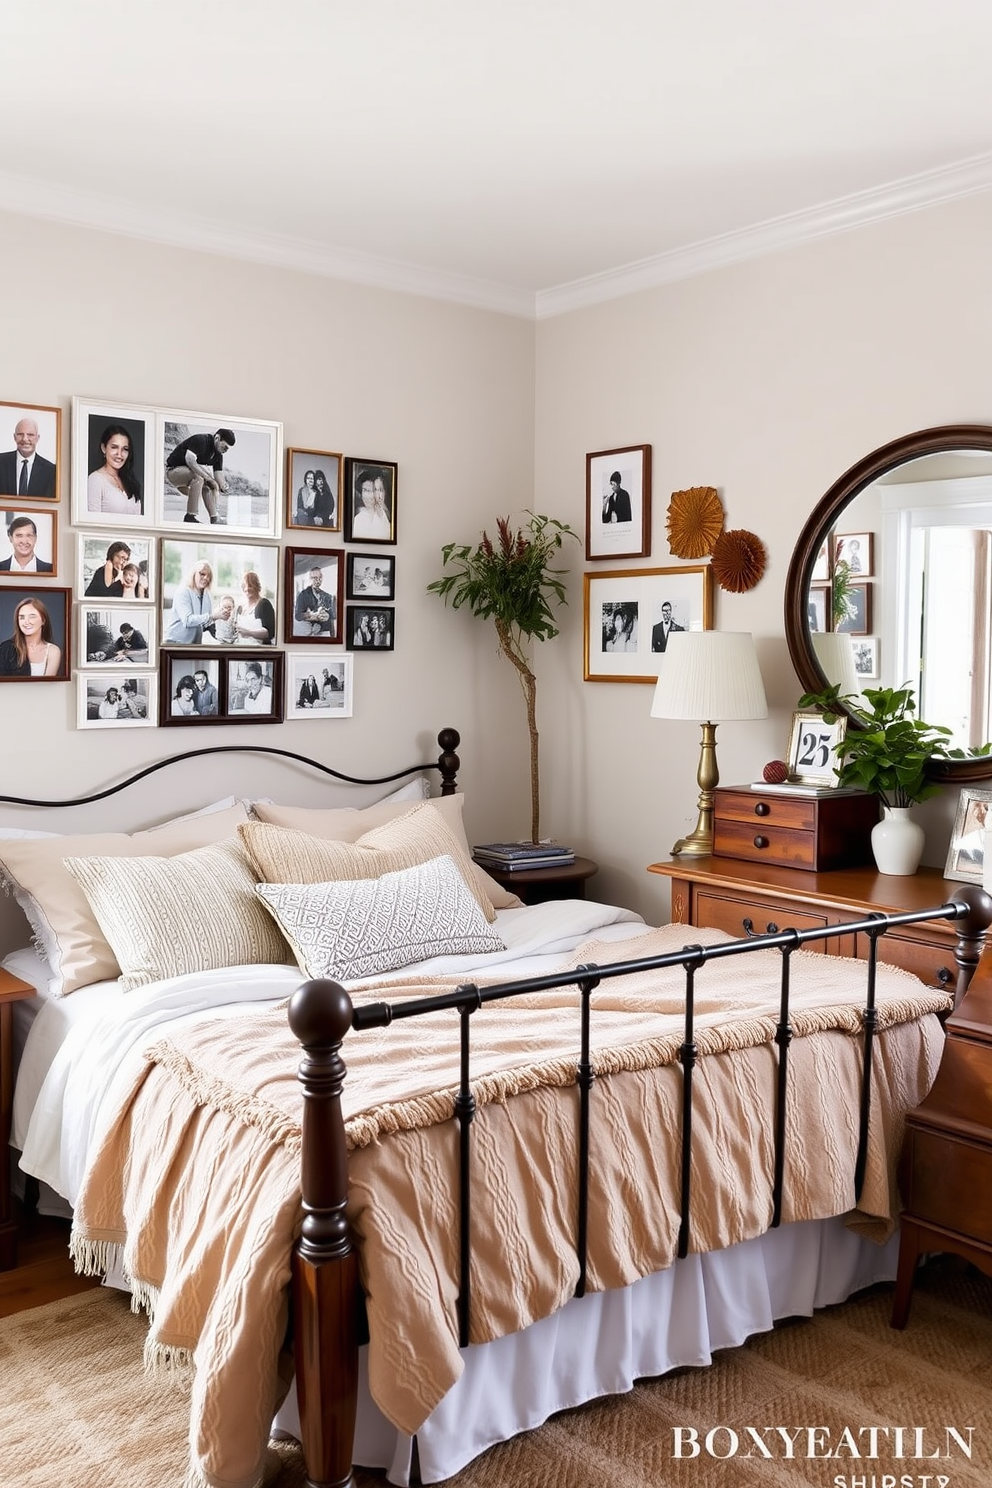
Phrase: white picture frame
(250, 501)
(94, 553)
(966, 852)
(94, 688)
(815, 748)
(99, 629)
(333, 701)
(93, 494)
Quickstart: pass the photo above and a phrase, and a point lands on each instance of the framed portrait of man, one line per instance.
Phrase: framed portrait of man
(28, 544)
(30, 452)
(215, 470)
(618, 503)
(313, 595)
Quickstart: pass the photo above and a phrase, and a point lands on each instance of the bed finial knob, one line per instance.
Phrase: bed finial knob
(320, 1013)
(449, 763)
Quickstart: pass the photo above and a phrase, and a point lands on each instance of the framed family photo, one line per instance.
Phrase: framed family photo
(856, 549)
(123, 636)
(35, 634)
(116, 568)
(219, 593)
(813, 748)
(108, 700)
(253, 688)
(29, 544)
(618, 503)
(856, 618)
(30, 452)
(369, 628)
(190, 688)
(370, 501)
(628, 615)
(220, 471)
(371, 576)
(321, 691)
(313, 490)
(113, 455)
(966, 854)
(314, 582)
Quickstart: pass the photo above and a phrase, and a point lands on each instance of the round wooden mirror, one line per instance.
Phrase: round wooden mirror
(891, 582)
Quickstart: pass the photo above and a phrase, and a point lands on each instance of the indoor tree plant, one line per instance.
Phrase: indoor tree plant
(887, 754)
(513, 583)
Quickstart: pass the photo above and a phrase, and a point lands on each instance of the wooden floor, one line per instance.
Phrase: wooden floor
(44, 1271)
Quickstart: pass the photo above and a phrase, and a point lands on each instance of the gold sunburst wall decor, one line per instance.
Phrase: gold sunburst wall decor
(695, 521)
(738, 561)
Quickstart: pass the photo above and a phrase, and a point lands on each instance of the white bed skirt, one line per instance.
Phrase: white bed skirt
(600, 1344)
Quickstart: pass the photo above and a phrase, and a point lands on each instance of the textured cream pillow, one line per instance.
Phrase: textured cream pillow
(347, 824)
(57, 909)
(196, 911)
(284, 855)
(357, 928)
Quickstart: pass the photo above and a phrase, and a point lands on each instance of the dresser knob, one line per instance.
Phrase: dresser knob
(945, 977)
(762, 809)
(761, 841)
(748, 926)
(771, 928)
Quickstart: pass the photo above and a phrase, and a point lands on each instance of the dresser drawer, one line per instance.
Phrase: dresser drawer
(815, 833)
(933, 962)
(787, 847)
(763, 809)
(726, 912)
(948, 1182)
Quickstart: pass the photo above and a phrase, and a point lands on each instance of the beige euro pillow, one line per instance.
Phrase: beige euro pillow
(347, 824)
(287, 855)
(196, 911)
(60, 914)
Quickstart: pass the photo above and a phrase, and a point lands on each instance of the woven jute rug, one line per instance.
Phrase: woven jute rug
(76, 1410)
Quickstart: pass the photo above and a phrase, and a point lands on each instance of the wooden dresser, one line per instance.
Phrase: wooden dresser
(746, 898)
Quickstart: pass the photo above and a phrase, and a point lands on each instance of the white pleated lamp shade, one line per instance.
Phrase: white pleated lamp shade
(709, 676)
(835, 653)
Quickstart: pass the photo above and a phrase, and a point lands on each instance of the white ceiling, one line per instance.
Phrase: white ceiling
(528, 155)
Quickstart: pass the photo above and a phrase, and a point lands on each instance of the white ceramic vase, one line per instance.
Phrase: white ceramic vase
(897, 841)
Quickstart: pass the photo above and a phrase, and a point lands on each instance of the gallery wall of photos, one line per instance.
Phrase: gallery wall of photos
(214, 577)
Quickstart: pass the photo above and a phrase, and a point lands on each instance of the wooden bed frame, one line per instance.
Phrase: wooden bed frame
(325, 1286)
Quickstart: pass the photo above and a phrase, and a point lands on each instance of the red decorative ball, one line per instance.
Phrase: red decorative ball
(775, 772)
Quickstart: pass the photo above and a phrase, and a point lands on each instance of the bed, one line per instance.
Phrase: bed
(502, 1275)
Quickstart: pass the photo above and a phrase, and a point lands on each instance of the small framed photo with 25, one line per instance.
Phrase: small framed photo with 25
(814, 748)
(370, 505)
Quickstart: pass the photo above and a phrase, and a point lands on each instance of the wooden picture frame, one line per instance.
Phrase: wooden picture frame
(966, 852)
(370, 627)
(624, 618)
(814, 746)
(313, 490)
(112, 700)
(371, 576)
(240, 702)
(18, 544)
(857, 621)
(313, 617)
(186, 700)
(857, 550)
(370, 500)
(53, 608)
(322, 691)
(618, 503)
(41, 441)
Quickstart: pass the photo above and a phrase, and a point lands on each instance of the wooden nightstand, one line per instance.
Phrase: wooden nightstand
(536, 885)
(12, 990)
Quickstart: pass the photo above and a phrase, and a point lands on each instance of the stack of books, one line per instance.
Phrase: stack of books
(508, 857)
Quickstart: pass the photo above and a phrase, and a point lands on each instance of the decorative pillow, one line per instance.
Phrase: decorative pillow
(196, 911)
(282, 855)
(65, 928)
(347, 824)
(356, 928)
(417, 789)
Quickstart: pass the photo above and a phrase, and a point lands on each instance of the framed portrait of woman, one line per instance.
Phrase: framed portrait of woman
(35, 634)
(370, 501)
(113, 452)
(313, 490)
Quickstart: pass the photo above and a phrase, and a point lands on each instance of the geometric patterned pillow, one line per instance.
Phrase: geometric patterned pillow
(359, 927)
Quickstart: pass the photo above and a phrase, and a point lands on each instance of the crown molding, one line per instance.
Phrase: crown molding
(911, 194)
(71, 206)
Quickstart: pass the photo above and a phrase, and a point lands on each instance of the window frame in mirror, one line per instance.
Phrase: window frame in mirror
(944, 439)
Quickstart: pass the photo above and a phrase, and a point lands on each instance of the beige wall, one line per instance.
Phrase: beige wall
(445, 391)
(767, 380)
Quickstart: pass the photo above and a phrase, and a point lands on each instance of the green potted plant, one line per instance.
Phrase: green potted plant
(887, 754)
(513, 583)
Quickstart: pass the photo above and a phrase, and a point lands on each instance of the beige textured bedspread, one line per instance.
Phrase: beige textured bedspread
(196, 1180)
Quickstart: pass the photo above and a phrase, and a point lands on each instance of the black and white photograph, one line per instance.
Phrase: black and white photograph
(318, 687)
(371, 576)
(864, 649)
(821, 567)
(369, 628)
(190, 688)
(313, 489)
(113, 447)
(853, 617)
(856, 551)
(618, 503)
(34, 634)
(218, 471)
(30, 452)
(966, 854)
(370, 506)
(28, 544)
(119, 569)
(253, 688)
(817, 608)
(219, 593)
(108, 700)
(115, 636)
(314, 579)
(629, 614)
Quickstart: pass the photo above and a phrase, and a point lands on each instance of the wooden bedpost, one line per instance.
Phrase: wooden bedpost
(971, 934)
(448, 761)
(325, 1267)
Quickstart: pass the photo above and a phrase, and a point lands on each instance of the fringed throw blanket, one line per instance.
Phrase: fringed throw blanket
(195, 1184)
